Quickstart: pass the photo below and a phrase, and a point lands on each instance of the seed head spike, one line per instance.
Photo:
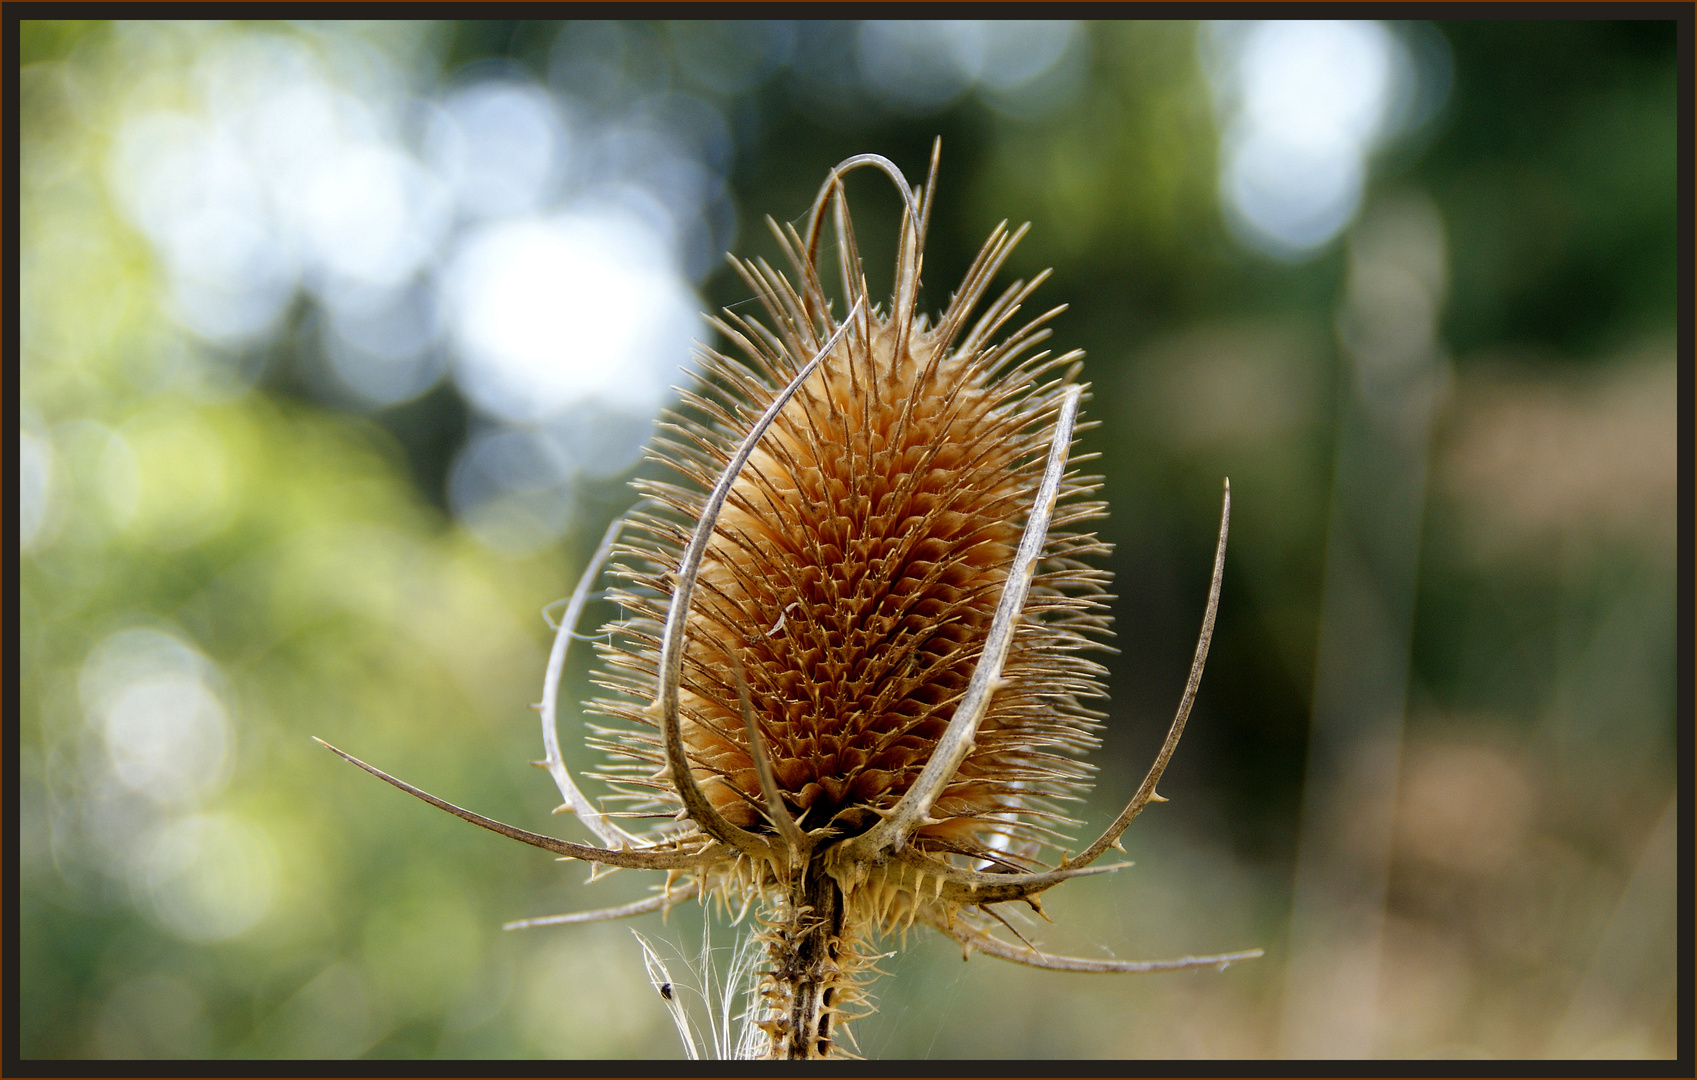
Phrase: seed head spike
(1146, 790)
(605, 830)
(640, 860)
(990, 945)
(658, 902)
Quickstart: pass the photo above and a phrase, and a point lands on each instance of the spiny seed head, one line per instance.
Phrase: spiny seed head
(857, 564)
(850, 667)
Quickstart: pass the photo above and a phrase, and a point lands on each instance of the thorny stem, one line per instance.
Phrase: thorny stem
(810, 957)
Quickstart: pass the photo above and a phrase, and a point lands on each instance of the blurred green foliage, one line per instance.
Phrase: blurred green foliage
(305, 551)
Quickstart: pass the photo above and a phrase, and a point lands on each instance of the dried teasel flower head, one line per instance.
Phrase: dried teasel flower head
(851, 678)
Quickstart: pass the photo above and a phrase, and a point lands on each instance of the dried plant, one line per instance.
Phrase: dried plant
(848, 679)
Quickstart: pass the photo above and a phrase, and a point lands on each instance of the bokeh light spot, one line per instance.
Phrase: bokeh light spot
(166, 729)
(920, 65)
(1303, 106)
(210, 877)
(499, 144)
(551, 312)
(167, 736)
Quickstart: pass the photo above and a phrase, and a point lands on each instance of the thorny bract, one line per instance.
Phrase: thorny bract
(848, 680)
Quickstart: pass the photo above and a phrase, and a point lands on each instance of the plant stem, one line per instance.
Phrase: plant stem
(810, 955)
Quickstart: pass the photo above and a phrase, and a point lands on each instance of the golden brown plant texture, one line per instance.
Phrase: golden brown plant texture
(851, 679)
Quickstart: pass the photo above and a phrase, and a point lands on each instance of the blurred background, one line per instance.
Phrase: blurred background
(340, 342)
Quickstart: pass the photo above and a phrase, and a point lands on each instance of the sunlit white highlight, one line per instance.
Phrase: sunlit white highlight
(1303, 106)
(551, 312)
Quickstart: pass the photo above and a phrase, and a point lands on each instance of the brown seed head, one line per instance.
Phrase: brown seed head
(855, 569)
(850, 668)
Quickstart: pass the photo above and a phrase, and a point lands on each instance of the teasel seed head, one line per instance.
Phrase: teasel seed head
(851, 674)
(858, 561)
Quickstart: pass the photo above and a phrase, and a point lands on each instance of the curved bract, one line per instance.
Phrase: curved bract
(851, 676)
